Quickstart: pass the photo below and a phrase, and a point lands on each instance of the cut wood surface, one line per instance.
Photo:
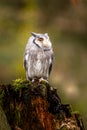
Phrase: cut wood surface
(36, 106)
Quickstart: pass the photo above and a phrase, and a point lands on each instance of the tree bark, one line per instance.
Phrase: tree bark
(3, 121)
(36, 106)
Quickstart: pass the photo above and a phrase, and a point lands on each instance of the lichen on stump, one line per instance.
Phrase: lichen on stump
(36, 106)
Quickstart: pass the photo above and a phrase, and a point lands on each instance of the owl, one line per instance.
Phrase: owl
(38, 57)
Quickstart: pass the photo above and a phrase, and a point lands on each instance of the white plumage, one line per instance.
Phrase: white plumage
(38, 56)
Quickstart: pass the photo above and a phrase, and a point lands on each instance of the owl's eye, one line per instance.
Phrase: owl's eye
(40, 39)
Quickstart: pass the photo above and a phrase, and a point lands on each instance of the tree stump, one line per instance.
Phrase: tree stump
(36, 106)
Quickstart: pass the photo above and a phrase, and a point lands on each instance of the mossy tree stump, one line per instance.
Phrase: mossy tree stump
(36, 106)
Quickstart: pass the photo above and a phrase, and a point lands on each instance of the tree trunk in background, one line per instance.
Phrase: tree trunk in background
(36, 106)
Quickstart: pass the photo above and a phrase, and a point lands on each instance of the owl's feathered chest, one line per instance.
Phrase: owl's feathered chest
(38, 63)
(38, 56)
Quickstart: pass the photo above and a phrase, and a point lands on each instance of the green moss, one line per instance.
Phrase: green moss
(76, 112)
(63, 128)
(20, 83)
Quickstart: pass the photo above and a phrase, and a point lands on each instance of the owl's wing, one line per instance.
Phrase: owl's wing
(26, 56)
(51, 63)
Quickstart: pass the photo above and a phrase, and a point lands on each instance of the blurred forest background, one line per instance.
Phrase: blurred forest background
(66, 23)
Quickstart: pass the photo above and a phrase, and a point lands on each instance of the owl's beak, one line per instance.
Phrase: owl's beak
(45, 44)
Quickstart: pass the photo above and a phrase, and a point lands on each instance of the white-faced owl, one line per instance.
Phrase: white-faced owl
(38, 56)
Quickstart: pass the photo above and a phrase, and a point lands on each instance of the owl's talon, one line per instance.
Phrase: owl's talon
(43, 80)
(33, 80)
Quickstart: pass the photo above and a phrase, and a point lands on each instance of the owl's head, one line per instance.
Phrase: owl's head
(41, 40)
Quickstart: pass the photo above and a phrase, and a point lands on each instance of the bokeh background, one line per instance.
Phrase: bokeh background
(66, 23)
